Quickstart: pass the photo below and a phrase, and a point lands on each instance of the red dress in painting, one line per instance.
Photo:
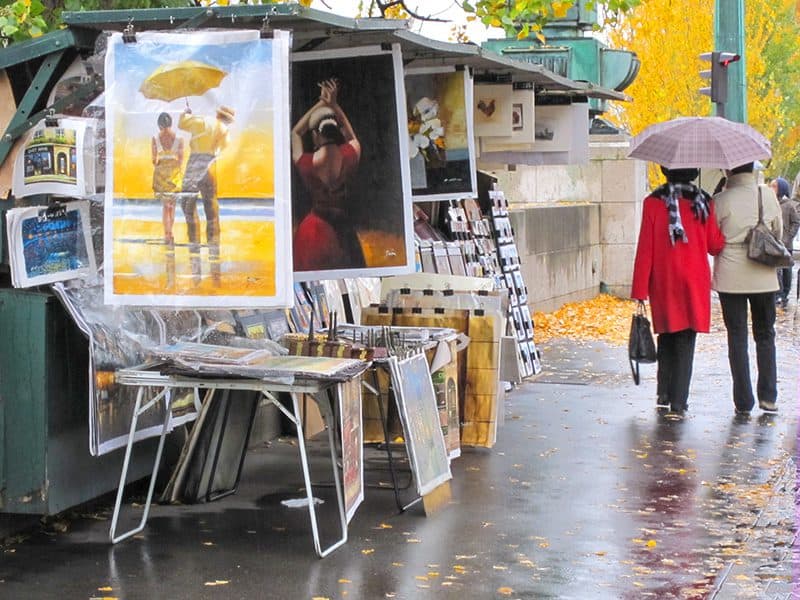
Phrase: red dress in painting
(326, 238)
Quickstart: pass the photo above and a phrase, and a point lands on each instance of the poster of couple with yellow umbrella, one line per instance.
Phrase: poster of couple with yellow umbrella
(197, 206)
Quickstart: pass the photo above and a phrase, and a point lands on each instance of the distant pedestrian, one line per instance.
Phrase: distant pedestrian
(679, 230)
(741, 281)
(791, 224)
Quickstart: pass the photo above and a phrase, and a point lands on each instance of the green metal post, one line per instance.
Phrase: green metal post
(729, 37)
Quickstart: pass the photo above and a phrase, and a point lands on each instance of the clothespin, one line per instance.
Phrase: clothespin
(50, 119)
(54, 209)
(266, 32)
(128, 34)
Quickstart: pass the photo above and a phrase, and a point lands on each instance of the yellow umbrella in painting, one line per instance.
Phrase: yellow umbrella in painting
(176, 80)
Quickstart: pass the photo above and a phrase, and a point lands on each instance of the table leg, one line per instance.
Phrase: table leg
(327, 415)
(138, 410)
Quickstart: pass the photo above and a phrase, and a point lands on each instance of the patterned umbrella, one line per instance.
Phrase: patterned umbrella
(707, 142)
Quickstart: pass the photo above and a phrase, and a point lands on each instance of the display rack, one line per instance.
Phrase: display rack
(521, 321)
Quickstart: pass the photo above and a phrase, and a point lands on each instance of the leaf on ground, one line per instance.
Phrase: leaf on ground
(345, 581)
(505, 591)
(368, 551)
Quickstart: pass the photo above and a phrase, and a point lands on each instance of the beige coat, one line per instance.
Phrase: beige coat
(737, 212)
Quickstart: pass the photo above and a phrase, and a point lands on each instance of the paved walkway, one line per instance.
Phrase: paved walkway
(589, 493)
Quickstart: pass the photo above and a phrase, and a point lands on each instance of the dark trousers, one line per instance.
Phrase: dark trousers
(675, 354)
(762, 315)
(785, 281)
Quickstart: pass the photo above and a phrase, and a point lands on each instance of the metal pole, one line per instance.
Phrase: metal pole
(729, 37)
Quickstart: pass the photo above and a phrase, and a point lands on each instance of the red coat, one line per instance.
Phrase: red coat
(676, 278)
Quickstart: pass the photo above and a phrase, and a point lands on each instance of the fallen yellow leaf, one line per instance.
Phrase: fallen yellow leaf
(505, 591)
(105, 589)
(367, 551)
(344, 581)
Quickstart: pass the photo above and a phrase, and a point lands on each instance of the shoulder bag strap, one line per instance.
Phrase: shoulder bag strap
(760, 207)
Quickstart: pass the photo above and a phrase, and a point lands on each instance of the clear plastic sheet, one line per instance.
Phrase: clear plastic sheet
(123, 338)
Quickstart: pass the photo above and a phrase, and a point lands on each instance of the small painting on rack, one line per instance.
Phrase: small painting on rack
(553, 128)
(441, 141)
(491, 105)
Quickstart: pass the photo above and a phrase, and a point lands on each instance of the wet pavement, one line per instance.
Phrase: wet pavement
(590, 492)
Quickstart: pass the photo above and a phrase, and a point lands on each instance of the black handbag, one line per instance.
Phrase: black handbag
(762, 245)
(641, 346)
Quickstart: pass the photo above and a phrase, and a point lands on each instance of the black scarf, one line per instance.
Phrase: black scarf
(670, 193)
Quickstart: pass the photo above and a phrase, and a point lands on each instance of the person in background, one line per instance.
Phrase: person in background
(740, 281)
(679, 230)
(791, 224)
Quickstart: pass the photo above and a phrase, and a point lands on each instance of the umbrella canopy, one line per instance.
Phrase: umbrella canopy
(703, 142)
(176, 80)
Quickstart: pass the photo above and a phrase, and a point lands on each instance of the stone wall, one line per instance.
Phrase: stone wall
(576, 225)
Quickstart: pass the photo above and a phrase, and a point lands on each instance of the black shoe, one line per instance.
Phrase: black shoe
(662, 401)
(678, 410)
(767, 406)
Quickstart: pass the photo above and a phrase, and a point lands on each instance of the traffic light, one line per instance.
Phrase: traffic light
(717, 75)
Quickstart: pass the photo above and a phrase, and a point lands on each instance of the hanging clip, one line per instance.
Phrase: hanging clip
(54, 210)
(266, 32)
(128, 34)
(50, 119)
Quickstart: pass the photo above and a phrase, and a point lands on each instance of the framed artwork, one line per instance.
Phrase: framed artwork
(56, 159)
(351, 194)
(416, 400)
(440, 132)
(197, 207)
(491, 107)
(352, 445)
(523, 119)
(553, 129)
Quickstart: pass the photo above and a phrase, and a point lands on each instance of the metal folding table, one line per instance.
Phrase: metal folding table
(323, 391)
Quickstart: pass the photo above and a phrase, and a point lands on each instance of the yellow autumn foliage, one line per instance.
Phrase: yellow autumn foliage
(603, 318)
(668, 38)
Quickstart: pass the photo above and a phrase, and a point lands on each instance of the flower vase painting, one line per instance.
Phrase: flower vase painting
(440, 139)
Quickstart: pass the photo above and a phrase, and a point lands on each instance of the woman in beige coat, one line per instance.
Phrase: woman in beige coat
(740, 281)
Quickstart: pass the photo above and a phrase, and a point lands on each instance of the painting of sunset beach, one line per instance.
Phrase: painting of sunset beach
(197, 207)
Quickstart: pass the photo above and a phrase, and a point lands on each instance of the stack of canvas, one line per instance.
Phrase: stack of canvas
(481, 389)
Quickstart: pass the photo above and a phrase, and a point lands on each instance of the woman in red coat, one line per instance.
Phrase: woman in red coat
(679, 231)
